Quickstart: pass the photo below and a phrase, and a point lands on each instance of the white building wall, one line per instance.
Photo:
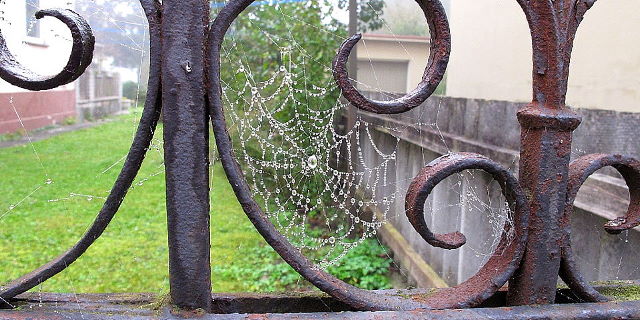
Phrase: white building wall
(47, 54)
(491, 54)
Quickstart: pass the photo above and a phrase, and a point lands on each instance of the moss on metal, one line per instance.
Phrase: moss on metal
(622, 293)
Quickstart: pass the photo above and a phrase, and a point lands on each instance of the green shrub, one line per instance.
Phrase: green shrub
(266, 272)
(69, 121)
(365, 267)
(132, 91)
(13, 136)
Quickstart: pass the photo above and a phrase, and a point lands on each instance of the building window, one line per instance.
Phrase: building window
(33, 24)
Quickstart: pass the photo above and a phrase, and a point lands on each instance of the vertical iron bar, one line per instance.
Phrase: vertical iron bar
(544, 162)
(186, 147)
(545, 151)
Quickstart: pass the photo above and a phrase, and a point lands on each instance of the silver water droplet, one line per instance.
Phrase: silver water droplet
(312, 162)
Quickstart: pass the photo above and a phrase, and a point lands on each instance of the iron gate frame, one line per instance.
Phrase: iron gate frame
(185, 84)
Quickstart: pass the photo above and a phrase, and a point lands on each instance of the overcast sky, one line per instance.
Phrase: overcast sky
(410, 5)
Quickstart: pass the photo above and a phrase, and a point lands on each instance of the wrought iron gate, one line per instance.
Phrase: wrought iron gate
(185, 83)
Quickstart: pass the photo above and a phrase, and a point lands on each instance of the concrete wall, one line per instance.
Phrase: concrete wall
(472, 202)
(491, 54)
(99, 90)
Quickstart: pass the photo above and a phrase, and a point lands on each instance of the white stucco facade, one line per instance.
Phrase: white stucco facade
(491, 54)
(47, 50)
(43, 46)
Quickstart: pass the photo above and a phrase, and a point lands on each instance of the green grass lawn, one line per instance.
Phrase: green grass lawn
(132, 254)
(51, 190)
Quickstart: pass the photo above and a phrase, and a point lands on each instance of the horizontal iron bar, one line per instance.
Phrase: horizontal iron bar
(303, 305)
(116, 311)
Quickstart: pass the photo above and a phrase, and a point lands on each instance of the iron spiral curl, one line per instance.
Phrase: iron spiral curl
(433, 73)
(509, 251)
(579, 171)
(80, 58)
(470, 293)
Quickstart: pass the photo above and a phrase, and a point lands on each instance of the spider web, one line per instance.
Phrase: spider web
(282, 156)
(284, 150)
(307, 170)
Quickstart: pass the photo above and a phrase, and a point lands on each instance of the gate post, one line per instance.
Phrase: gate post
(546, 131)
(186, 146)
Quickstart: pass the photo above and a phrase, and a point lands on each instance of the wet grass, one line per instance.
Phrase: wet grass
(51, 190)
(49, 197)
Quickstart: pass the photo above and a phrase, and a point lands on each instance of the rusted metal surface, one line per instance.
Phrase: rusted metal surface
(445, 166)
(579, 170)
(503, 262)
(307, 305)
(186, 151)
(185, 80)
(544, 160)
(545, 151)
